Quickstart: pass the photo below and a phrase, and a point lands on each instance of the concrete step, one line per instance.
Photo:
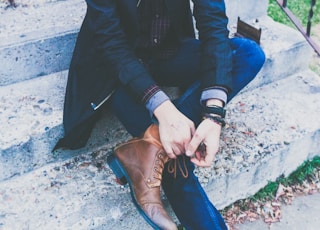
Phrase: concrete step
(31, 122)
(286, 50)
(32, 109)
(37, 41)
(272, 125)
(271, 130)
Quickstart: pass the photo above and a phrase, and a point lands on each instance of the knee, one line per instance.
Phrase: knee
(249, 52)
(259, 55)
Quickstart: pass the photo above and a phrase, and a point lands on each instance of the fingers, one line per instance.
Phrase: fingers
(204, 144)
(193, 144)
(176, 141)
(173, 150)
(191, 134)
(192, 128)
(205, 154)
(168, 149)
(203, 162)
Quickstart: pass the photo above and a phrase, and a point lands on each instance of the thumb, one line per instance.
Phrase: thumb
(193, 145)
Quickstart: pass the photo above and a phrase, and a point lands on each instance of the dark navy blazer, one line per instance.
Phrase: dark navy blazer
(104, 56)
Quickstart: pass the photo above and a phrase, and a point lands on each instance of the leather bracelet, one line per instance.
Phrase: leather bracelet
(214, 109)
(217, 120)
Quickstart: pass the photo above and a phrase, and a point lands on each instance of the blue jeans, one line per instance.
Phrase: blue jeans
(186, 195)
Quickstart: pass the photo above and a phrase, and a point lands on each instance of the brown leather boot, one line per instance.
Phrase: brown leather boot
(140, 162)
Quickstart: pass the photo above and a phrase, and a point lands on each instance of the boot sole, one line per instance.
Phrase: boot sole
(123, 178)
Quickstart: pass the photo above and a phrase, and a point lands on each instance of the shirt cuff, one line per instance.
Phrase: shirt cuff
(156, 100)
(213, 94)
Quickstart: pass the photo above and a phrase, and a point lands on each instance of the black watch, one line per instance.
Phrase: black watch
(214, 109)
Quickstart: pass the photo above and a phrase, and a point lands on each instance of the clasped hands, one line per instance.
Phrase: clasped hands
(179, 136)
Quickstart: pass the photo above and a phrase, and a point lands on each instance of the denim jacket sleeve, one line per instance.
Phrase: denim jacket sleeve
(216, 57)
(112, 45)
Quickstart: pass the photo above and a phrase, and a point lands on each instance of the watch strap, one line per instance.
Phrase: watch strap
(214, 109)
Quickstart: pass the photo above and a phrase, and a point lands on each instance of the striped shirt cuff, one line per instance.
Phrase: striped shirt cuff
(149, 92)
(156, 100)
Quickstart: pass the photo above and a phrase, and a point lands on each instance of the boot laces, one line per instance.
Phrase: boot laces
(173, 164)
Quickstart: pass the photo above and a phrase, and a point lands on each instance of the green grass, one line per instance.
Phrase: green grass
(301, 174)
(300, 8)
(306, 172)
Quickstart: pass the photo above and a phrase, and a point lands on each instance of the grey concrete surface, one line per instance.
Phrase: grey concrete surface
(273, 126)
(264, 139)
(31, 122)
(302, 214)
(268, 136)
(48, 33)
(23, 145)
(37, 41)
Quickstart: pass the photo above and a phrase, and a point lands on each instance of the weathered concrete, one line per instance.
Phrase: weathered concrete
(273, 129)
(39, 114)
(248, 10)
(267, 135)
(37, 41)
(303, 213)
(286, 50)
(31, 123)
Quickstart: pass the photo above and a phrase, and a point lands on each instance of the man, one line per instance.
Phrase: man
(126, 50)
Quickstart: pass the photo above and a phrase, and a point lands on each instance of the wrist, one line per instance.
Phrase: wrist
(155, 101)
(215, 110)
(216, 119)
(163, 109)
(214, 102)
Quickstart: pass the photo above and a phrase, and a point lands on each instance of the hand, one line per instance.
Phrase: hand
(175, 129)
(208, 133)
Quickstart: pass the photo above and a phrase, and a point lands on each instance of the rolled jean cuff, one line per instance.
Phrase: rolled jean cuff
(213, 94)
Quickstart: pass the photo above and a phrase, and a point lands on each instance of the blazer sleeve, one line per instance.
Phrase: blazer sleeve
(112, 46)
(216, 56)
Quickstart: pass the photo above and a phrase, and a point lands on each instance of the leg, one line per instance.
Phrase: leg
(131, 113)
(189, 201)
(136, 119)
(248, 58)
(145, 152)
(182, 70)
(185, 194)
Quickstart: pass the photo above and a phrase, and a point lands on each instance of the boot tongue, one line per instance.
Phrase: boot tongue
(152, 135)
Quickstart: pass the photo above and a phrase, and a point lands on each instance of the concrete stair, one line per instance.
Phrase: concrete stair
(272, 125)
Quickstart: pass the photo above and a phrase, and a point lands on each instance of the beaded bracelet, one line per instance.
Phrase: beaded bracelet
(216, 119)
